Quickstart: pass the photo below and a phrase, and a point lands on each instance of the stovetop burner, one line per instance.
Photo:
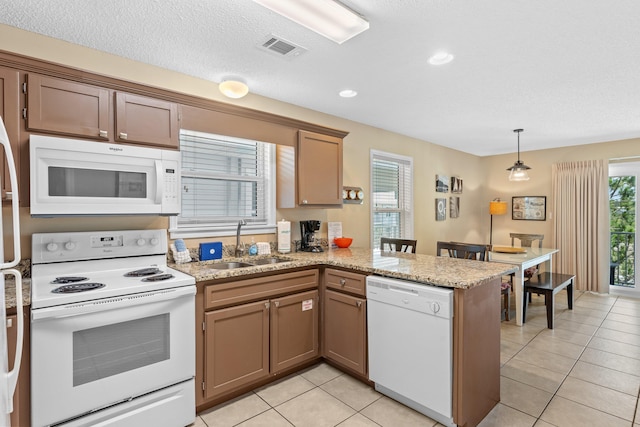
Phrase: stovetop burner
(158, 278)
(143, 272)
(77, 287)
(68, 279)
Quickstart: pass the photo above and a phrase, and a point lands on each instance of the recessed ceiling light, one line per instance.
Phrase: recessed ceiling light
(441, 58)
(348, 93)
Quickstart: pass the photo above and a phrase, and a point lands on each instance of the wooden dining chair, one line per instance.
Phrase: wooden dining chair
(477, 252)
(398, 245)
(526, 240)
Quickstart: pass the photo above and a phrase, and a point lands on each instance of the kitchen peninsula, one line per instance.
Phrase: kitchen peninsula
(253, 301)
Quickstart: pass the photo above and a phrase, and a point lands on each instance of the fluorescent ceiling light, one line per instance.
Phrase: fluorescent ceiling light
(326, 17)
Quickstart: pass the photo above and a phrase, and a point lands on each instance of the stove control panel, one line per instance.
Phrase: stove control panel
(77, 246)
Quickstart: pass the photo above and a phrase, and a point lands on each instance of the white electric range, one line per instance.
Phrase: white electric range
(112, 331)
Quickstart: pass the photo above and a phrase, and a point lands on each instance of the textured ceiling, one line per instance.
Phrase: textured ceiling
(568, 72)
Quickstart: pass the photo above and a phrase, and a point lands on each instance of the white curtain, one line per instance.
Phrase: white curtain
(580, 200)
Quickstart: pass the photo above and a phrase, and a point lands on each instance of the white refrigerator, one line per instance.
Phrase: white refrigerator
(9, 379)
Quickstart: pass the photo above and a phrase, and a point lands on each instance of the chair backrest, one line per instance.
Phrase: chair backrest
(526, 240)
(475, 251)
(398, 245)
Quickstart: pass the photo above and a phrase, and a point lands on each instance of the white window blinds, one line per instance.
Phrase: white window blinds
(392, 196)
(224, 179)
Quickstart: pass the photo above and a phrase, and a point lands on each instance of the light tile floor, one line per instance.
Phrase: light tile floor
(585, 372)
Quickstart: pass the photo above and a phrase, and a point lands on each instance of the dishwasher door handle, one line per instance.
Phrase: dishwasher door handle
(403, 290)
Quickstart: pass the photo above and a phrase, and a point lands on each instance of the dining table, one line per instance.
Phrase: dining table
(523, 258)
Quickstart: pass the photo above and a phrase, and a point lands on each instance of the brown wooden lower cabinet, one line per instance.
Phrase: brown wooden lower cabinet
(249, 342)
(294, 330)
(345, 330)
(236, 347)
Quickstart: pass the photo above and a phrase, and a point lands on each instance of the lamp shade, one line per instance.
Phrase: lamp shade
(497, 207)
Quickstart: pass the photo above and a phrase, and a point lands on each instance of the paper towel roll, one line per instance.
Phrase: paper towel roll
(284, 236)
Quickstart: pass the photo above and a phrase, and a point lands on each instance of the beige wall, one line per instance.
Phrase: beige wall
(484, 178)
(498, 184)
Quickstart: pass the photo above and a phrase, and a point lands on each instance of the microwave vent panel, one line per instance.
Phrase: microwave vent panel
(281, 47)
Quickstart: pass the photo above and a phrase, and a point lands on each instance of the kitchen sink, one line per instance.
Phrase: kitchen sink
(229, 265)
(272, 260)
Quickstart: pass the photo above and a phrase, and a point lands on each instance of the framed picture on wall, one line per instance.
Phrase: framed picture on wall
(442, 183)
(441, 209)
(454, 207)
(456, 184)
(530, 208)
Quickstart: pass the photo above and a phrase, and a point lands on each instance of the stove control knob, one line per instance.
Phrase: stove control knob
(140, 242)
(70, 246)
(52, 247)
(154, 241)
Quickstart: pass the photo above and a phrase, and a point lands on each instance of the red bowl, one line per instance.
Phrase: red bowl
(343, 242)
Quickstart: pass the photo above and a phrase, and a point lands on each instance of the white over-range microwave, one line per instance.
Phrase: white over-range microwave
(76, 177)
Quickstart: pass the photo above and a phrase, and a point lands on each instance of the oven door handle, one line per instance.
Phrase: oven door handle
(106, 304)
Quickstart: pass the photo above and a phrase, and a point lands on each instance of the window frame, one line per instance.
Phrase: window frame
(406, 208)
(230, 228)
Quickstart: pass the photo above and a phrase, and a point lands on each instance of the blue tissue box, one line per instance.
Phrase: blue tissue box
(211, 250)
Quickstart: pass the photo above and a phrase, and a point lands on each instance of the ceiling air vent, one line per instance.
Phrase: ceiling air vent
(282, 48)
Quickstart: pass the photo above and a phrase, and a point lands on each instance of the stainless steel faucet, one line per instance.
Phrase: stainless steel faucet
(239, 251)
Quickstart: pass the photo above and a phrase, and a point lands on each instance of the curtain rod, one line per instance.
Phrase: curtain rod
(620, 159)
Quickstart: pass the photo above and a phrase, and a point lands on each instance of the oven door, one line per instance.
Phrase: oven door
(92, 355)
(73, 177)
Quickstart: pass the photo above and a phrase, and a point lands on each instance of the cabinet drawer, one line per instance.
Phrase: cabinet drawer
(345, 281)
(240, 291)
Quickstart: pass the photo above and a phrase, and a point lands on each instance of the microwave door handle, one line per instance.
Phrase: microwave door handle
(159, 182)
(13, 179)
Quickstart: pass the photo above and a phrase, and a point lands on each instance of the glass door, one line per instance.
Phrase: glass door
(623, 179)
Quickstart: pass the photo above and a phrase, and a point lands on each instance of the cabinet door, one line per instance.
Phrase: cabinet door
(66, 107)
(148, 121)
(236, 347)
(319, 169)
(9, 111)
(294, 330)
(345, 330)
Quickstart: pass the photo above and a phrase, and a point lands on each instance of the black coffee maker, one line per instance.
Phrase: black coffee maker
(307, 231)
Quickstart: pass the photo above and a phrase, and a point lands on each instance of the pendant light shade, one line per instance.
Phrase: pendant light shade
(518, 172)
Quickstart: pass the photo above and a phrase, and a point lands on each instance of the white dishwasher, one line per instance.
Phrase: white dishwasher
(410, 344)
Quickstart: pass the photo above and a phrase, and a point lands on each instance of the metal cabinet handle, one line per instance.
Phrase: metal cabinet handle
(123, 135)
(304, 202)
(103, 134)
(343, 282)
(277, 303)
(359, 304)
(266, 305)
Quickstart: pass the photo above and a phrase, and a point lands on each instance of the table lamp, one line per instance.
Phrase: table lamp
(496, 207)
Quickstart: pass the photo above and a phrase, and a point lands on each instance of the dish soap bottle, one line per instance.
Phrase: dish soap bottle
(253, 249)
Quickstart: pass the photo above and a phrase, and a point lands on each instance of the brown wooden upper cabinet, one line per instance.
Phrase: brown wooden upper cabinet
(311, 173)
(142, 120)
(68, 108)
(9, 111)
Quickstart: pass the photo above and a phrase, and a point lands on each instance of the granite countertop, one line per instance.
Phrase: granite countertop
(10, 292)
(428, 269)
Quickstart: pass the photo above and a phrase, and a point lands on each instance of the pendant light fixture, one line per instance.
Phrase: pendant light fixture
(519, 169)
